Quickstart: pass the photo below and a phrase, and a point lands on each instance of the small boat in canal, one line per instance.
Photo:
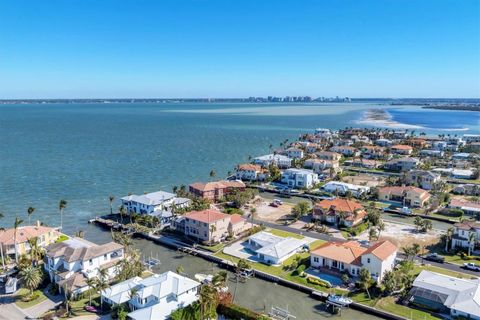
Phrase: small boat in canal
(340, 300)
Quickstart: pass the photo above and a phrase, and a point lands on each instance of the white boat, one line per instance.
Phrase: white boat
(207, 279)
(341, 300)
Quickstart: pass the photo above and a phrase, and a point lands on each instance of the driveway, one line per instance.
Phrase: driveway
(10, 311)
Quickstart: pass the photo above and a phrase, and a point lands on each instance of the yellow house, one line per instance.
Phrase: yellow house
(45, 236)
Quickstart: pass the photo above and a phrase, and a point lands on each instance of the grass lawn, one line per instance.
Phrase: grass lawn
(24, 292)
(62, 238)
(388, 304)
(78, 306)
(456, 259)
(214, 248)
(284, 234)
(417, 269)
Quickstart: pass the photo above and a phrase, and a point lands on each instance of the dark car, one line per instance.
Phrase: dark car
(434, 257)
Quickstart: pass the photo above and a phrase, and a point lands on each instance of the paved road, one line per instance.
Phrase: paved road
(9, 311)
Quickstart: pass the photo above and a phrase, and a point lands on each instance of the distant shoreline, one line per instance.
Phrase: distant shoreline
(455, 107)
(381, 118)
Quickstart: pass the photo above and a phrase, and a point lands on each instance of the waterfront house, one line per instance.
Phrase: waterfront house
(352, 256)
(153, 203)
(405, 195)
(470, 138)
(215, 191)
(339, 212)
(465, 174)
(460, 298)
(431, 153)
(211, 226)
(44, 235)
(346, 151)
(343, 188)
(251, 172)
(156, 297)
(401, 149)
(424, 179)
(373, 152)
(294, 153)
(439, 145)
(383, 142)
(71, 262)
(469, 207)
(279, 160)
(299, 178)
(466, 234)
(469, 189)
(328, 155)
(272, 249)
(401, 164)
(454, 143)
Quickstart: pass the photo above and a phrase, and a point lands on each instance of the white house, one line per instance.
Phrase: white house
(469, 138)
(272, 249)
(280, 160)
(431, 153)
(251, 172)
(383, 142)
(445, 294)
(155, 201)
(299, 178)
(351, 257)
(295, 153)
(71, 262)
(466, 234)
(342, 188)
(156, 296)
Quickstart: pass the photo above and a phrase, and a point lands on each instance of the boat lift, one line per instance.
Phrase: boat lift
(281, 314)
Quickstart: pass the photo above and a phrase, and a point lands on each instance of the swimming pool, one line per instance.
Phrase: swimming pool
(332, 279)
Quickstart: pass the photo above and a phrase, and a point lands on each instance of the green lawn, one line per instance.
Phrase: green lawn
(24, 292)
(62, 238)
(388, 304)
(284, 234)
(456, 259)
(78, 306)
(214, 248)
(417, 269)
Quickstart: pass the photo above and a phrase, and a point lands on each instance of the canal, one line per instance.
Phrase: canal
(255, 294)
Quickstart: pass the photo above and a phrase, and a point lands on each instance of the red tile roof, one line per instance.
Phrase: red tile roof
(210, 186)
(249, 167)
(340, 204)
(402, 147)
(350, 252)
(236, 218)
(382, 250)
(24, 234)
(206, 216)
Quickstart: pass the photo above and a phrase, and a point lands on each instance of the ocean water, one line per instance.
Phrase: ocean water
(84, 152)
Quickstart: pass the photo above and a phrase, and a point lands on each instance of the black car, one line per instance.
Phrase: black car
(434, 257)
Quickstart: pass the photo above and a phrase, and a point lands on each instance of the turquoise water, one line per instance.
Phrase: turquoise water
(84, 152)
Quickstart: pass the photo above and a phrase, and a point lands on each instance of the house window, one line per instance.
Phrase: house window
(104, 257)
(368, 260)
(315, 259)
(90, 262)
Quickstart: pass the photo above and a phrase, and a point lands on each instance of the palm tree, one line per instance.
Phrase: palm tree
(110, 199)
(448, 237)
(180, 270)
(102, 282)
(17, 223)
(35, 250)
(122, 211)
(133, 294)
(220, 279)
(30, 211)
(365, 281)
(32, 277)
(213, 228)
(208, 300)
(91, 282)
(212, 173)
(61, 206)
(471, 241)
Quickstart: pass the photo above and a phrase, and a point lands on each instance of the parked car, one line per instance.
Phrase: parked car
(273, 204)
(471, 266)
(435, 258)
(406, 210)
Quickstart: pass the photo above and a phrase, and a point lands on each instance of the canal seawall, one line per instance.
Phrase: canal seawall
(229, 265)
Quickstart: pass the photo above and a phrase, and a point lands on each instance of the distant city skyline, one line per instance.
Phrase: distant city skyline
(226, 49)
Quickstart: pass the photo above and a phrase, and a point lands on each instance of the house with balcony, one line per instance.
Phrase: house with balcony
(328, 155)
(424, 179)
(373, 152)
(466, 234)
(468, 207)
(71, 262)
(299, 178)
(155, 298)
(405, 195)
(279, 160)
(251, 172)
(339, 212)
(153, 203)
(352, 256)
(346, 151)
(215, 191)
(401, 149)
(343, 188)
(211, 226)
(295, 153)
(401, 164)
(431, 153)
(44, 235)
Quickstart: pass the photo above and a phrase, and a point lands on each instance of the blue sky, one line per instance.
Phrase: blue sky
(230, 48)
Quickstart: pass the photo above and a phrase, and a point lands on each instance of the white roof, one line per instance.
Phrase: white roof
(299, 171)
(153, 198)
(159, 285)
(275, 246)
(461, 294)
(348, 186)
(270, 157)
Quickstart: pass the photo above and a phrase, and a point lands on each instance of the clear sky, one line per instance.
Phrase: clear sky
(230, 48)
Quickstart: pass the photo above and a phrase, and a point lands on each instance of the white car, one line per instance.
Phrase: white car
(471, 266)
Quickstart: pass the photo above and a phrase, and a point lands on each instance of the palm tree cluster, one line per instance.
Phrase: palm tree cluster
(32, 277)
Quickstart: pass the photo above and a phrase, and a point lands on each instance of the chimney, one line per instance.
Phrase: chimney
(38, 224)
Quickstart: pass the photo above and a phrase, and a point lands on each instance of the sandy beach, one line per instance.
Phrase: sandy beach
(381, 118)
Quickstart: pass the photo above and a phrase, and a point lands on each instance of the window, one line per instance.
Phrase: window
(315, 259)
(90, 262)
(368, 260)
(104, 257)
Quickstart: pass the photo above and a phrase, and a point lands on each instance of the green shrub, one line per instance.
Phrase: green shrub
(300, 269)
(30, 297)
(235, 312)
